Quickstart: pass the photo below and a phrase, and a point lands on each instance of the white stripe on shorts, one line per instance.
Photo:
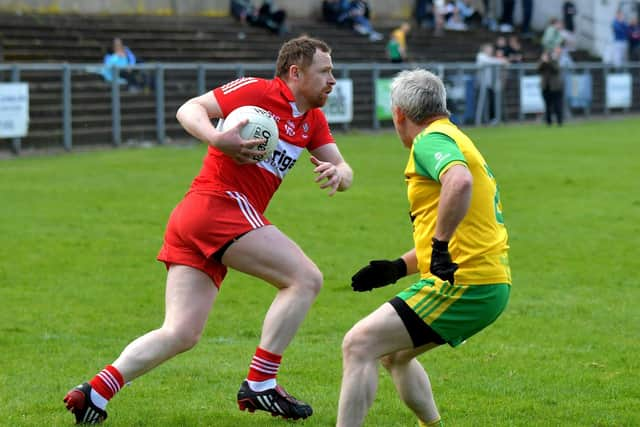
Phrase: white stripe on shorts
(249, 212)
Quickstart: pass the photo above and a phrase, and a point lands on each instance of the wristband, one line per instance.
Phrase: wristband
(439, 245)
(400, 267)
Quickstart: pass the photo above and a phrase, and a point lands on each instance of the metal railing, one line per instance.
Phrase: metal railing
(364, 76)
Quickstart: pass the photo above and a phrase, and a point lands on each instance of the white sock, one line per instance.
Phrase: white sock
(98, 400)
(262, 385)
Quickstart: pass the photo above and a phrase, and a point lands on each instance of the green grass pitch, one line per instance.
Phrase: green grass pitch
(78, 280)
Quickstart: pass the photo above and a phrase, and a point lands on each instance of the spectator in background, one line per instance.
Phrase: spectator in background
(488, 79)
(122, 58)
(506, 20)
(424, 13)
(272, 18)
(244, 11)
(569, 12)
(359, 14)
(620, 40)
(470, 13)
(527, 13)
(634, 39)
(501, 48)
(334, 11)
(552, 87)
(266, 16)
(397, 46)
(514, 50)
(454, 21)
(552, 36)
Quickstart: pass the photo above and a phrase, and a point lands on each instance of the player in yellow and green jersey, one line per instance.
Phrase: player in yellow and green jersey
(460, 251)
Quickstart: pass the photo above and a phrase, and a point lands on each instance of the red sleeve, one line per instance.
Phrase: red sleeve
(321, 132)
(239, 92)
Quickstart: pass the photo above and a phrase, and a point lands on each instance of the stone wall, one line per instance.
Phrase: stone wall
(382, 9)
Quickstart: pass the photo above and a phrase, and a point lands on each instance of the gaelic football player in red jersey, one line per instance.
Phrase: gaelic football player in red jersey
(220, 223)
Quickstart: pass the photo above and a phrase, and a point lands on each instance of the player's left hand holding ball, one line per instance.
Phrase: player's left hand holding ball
(231, 143)
(328, 171)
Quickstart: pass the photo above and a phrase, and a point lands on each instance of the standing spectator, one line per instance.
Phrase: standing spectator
(552, 35)
(552, 86)
(634, 39)
(569, 12)
(620, 40)
(527, 13)
(397, 46)
(460, 251)
(488, 80)
(220, 224)
(506, 20)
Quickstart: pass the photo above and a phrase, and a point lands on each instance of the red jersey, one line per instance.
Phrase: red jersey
(296, 131)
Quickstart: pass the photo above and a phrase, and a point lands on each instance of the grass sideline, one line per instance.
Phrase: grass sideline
(79, 234)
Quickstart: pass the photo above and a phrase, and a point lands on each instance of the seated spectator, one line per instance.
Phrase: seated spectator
(272, 18)
(244, 11)
(469, 13)
(425, 13)
(333, 11)
(552, 36)
(501, 48)
(122, 58)
(454, 21)
(514, 50)
(358, 13)
(266, 16)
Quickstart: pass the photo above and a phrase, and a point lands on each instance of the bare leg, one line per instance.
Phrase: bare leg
(412, 382)
(380, 333)
(270, 255)
(190, 294)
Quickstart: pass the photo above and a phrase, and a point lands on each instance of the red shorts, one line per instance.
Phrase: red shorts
(202, 224)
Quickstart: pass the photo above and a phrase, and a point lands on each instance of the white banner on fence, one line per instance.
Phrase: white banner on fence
(619, 90)
(14, 110)
(339, 106)
(531, 95)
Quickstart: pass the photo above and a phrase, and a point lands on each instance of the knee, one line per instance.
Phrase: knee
(310, 280)
(183, 339)
(355, 345)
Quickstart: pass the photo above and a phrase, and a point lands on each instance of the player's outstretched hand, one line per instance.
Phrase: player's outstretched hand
(329, 172)
(441, 264)
(242, 151)
(377, 274)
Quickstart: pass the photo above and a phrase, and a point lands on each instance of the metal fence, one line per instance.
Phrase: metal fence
(71, 104)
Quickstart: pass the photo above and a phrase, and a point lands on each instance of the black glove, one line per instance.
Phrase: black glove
(441, 264)
(377, 274)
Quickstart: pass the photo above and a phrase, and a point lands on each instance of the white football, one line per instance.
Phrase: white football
(261, 125)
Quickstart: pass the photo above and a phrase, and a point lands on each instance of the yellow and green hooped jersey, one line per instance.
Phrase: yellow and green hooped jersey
(480, 243)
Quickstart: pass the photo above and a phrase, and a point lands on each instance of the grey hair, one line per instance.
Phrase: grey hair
(420, 95)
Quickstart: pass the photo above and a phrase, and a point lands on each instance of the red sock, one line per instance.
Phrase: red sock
(264, 366)
(107, 382)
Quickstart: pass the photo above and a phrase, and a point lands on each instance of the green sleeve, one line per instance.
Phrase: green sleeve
(433, 152)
